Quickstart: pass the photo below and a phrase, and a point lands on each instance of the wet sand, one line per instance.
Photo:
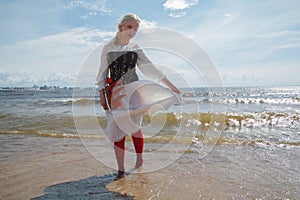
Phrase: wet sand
(56, 168)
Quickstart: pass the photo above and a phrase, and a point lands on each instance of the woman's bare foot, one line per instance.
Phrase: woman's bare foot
(121, 174)
(139, 162)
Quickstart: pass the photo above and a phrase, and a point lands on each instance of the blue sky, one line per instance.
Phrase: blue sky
(251, 42)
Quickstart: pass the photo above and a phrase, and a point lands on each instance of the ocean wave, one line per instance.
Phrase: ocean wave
(253, 120)
(51, 134)
(273, 101)
(258, 120)
(262, 129)
(188, 100)
(247, 120)
(70, 101)
(3, 116)
(198, 141)
(195, 142)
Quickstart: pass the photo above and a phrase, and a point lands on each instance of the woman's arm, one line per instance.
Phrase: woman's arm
(151, 71)
(100, 79)
(170, 85)
(101, 76)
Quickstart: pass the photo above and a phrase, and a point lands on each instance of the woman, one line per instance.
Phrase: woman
(131, 97)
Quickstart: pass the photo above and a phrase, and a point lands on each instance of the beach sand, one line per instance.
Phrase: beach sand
(61, 168)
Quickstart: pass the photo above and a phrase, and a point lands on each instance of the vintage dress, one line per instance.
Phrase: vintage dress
(137, 96)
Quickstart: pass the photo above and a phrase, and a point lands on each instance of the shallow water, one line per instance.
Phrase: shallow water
(234, 144)
(228, 172)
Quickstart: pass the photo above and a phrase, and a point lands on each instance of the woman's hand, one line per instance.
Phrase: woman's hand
(102, 98)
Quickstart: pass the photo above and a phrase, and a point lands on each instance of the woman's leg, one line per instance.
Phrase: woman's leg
(120, 156)
(138, 142)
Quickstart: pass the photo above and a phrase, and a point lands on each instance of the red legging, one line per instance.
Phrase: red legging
(138, 142)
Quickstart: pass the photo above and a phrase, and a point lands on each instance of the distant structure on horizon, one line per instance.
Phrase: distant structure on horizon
(36, 88)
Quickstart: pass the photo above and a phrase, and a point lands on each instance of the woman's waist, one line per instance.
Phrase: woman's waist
(127, 78)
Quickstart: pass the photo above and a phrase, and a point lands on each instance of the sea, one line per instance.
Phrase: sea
(248, 137)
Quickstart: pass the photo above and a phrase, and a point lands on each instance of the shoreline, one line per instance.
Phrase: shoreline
(30, 172)
(50, 168)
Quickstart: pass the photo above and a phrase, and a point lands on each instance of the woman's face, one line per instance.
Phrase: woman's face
(129, 29)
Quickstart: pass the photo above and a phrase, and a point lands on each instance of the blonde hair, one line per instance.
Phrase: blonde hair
(129, 16)
(126, 18)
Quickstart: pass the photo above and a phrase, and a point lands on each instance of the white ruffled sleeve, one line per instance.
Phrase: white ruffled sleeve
(100, 79)
(147, 67)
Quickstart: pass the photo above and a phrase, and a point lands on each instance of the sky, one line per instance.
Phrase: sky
(251, 43)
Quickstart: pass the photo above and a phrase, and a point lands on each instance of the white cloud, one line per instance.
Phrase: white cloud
(60, 53)
(247, 37)
(59, 79)
(177, 14)
(276, 34)
(16, 79)
(240, 79)
(92, 8)
(179, 4)
(148, 24)
(26, 79)
(262, 42)
(290, 46)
